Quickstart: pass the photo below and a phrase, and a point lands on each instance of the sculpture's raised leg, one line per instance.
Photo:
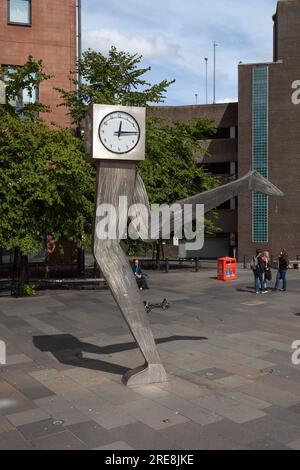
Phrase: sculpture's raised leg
(211, 199)
(115, 180)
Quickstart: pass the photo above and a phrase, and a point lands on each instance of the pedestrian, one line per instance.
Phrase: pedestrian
(258, 268)
(139, 275)
(267, 269)
(283, 264)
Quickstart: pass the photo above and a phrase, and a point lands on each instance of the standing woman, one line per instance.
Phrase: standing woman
(268, 272)
(283, 264)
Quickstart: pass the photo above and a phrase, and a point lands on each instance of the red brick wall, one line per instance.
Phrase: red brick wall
(52, 38)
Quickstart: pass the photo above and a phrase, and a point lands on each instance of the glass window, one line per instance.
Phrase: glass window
(260, 96)
(19, 11)
(24, 95)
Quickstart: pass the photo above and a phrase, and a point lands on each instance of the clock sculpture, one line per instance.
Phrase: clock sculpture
(115, 140)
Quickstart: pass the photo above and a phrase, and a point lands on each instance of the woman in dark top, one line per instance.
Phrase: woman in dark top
(139, 276)
(283, 264)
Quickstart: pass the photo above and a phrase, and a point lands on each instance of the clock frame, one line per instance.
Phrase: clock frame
(95, 148)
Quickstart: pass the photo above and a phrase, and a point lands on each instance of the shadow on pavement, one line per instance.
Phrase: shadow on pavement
(67, 349)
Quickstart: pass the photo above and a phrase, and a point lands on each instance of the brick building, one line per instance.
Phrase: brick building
(261, 132)
(45, 29)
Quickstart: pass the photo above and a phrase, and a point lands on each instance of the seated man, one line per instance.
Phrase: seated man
(139, 276)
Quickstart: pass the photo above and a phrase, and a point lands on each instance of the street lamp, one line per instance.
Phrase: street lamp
(215, 46)
(206, 61)
(2, 91)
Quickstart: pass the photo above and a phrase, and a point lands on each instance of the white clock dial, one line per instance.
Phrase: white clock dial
(119, 132)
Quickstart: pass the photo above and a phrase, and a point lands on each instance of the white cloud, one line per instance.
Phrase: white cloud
(227, 100)
(174, 36)
(102, 39)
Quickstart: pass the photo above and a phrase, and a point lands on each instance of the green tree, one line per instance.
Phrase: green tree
(46, 187)
(115, 79)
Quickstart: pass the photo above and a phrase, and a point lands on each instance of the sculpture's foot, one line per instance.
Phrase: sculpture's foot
(146, 374)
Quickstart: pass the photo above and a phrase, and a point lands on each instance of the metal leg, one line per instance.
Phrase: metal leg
(112, 182)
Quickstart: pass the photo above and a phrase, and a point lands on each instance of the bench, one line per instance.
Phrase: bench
(295, 264)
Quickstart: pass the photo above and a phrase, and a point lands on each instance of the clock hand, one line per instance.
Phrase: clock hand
(120, 127)
(125, 133)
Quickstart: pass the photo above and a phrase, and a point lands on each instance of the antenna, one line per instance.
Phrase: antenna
(215, 47)
(206, 83)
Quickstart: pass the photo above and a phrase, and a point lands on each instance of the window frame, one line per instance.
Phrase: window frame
(17, 23)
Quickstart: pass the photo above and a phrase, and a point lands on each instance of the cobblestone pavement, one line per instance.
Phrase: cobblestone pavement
(227, 351)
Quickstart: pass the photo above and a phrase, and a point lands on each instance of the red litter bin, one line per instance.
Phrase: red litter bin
(226, 269)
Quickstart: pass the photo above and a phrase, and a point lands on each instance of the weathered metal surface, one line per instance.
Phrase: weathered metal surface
(115, 179)
(252, 181)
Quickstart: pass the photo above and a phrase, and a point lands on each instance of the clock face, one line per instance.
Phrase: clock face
(119, 132)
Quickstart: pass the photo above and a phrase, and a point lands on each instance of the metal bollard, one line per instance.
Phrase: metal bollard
(167, 265)
(197, 264)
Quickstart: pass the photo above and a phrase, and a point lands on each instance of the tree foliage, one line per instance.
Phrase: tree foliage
(25, 78)
(45, 185)
(170, 171)
(113, 79)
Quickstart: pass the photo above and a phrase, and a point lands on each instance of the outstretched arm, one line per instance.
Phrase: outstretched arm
(252, 181)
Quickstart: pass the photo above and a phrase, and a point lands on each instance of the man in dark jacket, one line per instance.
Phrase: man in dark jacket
(258, 268)
(283, 264)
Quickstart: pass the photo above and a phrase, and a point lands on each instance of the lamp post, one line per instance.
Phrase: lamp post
(2, 92)
(215, 47)
(206, 61)
(79, 34)
(196, 97)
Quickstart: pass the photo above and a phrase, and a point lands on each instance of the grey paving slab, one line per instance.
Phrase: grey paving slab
(213, 373)
(92, 434)
(267, 444)
(13, 440)
(116, 393)
(153, 414)
(142, 437)
(26, 417)
(119, 445)
(270, 394)
(189, 410)
(229, 408)
(216, 436)
(5, 425)
(17, 359)
(62, 441)
(271, 428)
(295, 445)
(38, 429)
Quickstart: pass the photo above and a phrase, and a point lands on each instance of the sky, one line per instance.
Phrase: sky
(175, 36)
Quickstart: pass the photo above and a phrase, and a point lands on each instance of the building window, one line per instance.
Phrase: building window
(260, 202)
(24, 95)
(19, 12)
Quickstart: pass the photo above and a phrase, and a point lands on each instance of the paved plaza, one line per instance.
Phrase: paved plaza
(227, 351)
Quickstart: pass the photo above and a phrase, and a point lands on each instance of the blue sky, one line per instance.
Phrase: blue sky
(174, 37)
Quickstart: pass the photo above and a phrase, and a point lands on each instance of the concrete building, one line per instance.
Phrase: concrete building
(261, 132)
(45, 29)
